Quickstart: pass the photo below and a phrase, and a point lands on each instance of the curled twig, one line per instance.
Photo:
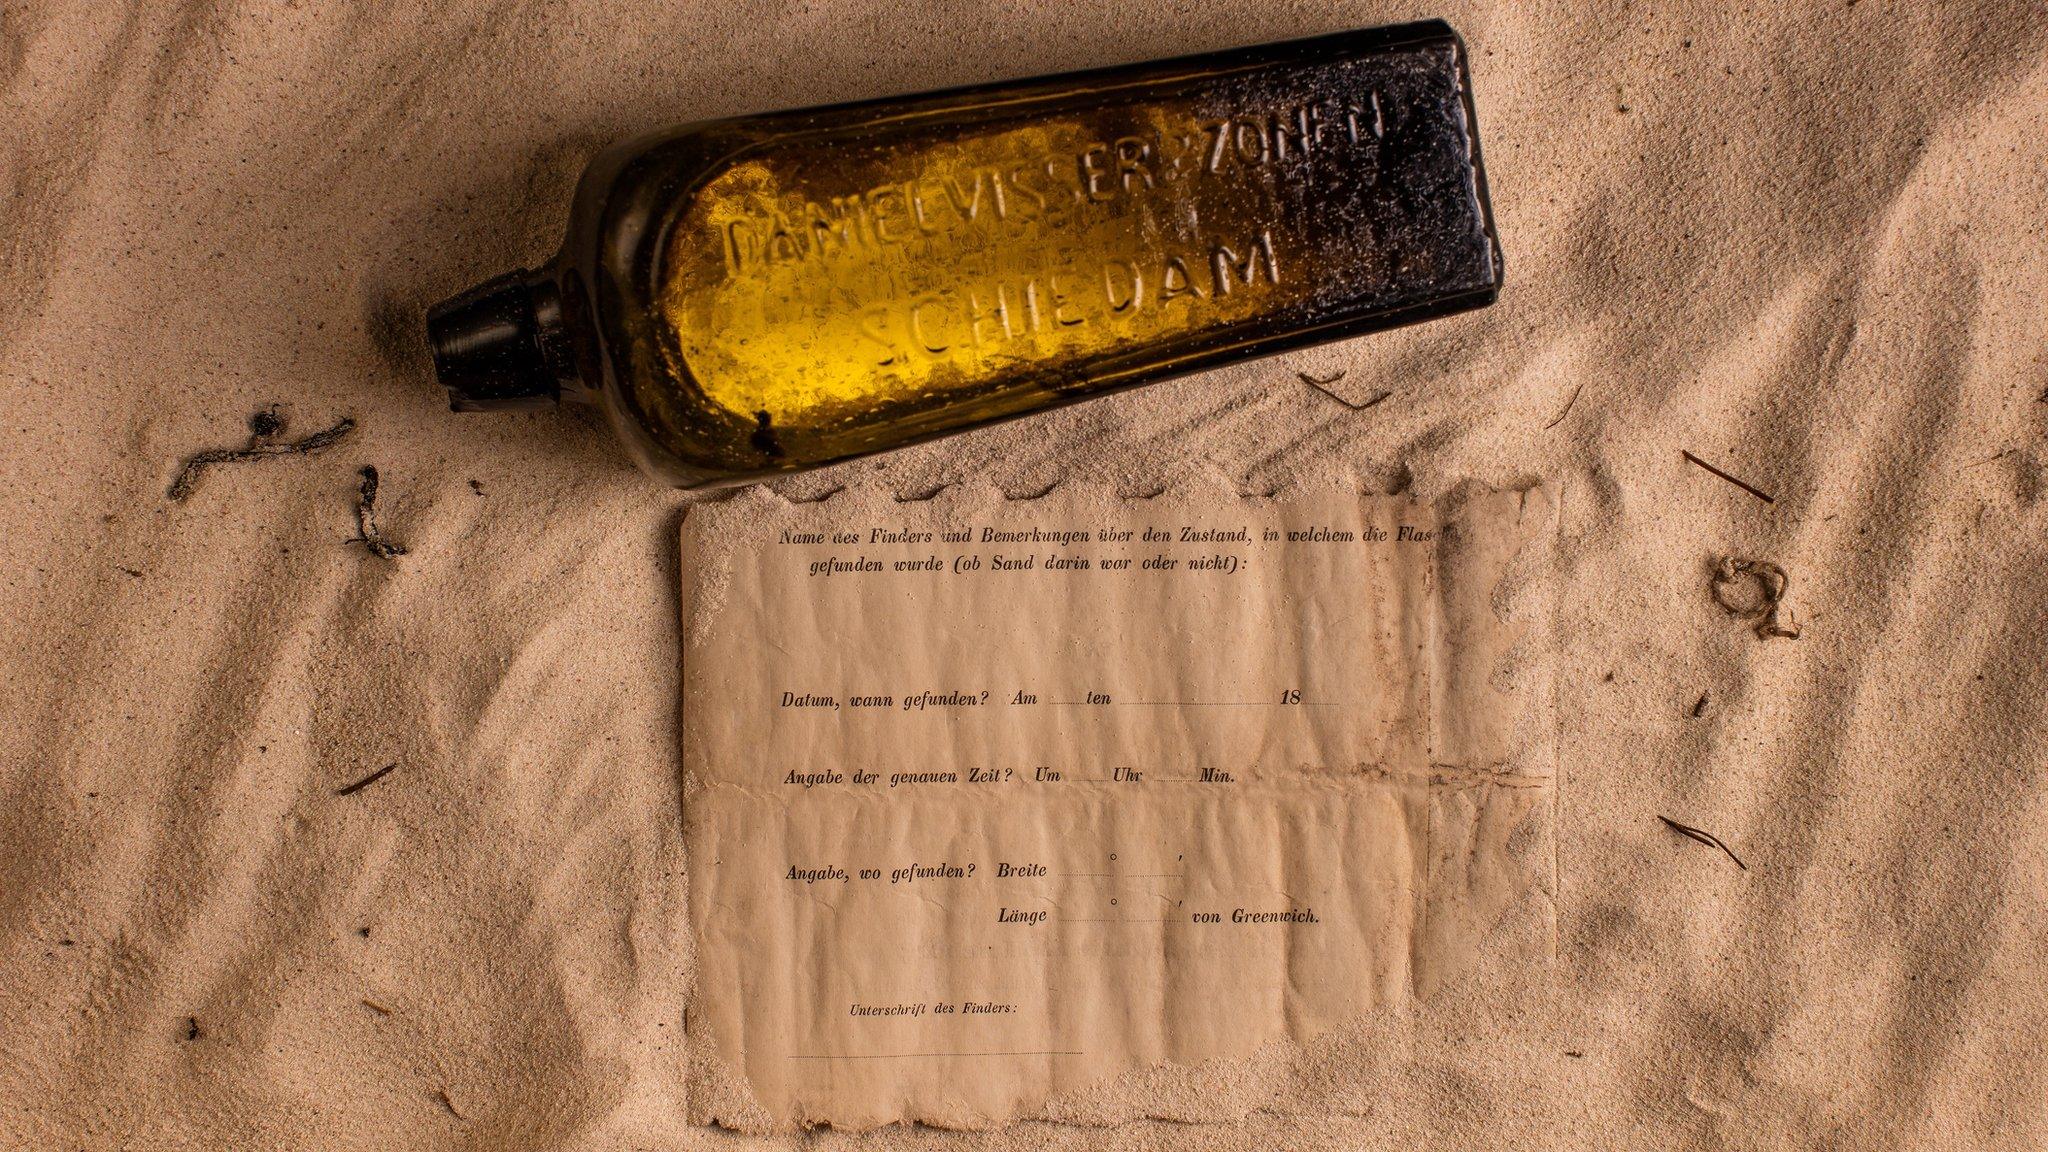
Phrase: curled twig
(1766, 606)
(1361, 406)
(263, 426)
(366, 519)
(1707, 838)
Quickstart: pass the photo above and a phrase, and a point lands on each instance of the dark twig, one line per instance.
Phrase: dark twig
(1752, 489)
(366, 519)
(442, 1096)
(1699, 707)
(262, 427)
(1559, 418)
(1707, 838)
(365, 782)
(1361, 406)
(1319, 381)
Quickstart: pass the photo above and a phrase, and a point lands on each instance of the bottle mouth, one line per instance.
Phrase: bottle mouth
(487, 345)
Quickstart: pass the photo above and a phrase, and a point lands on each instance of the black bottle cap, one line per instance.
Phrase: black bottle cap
(487, 347)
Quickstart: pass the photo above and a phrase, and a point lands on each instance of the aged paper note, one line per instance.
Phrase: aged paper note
(989, 800)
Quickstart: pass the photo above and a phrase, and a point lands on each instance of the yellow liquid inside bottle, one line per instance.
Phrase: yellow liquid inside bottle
(1013, 253)
(773, 293)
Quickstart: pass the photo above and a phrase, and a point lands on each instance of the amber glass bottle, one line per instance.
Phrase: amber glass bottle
(772, 293)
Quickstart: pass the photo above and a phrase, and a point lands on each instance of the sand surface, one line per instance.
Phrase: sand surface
(1802, 241)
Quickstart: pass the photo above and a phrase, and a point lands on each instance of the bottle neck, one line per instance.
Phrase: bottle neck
(502, 344)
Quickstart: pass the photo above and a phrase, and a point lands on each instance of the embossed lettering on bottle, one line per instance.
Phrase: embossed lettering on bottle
(772, 293)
